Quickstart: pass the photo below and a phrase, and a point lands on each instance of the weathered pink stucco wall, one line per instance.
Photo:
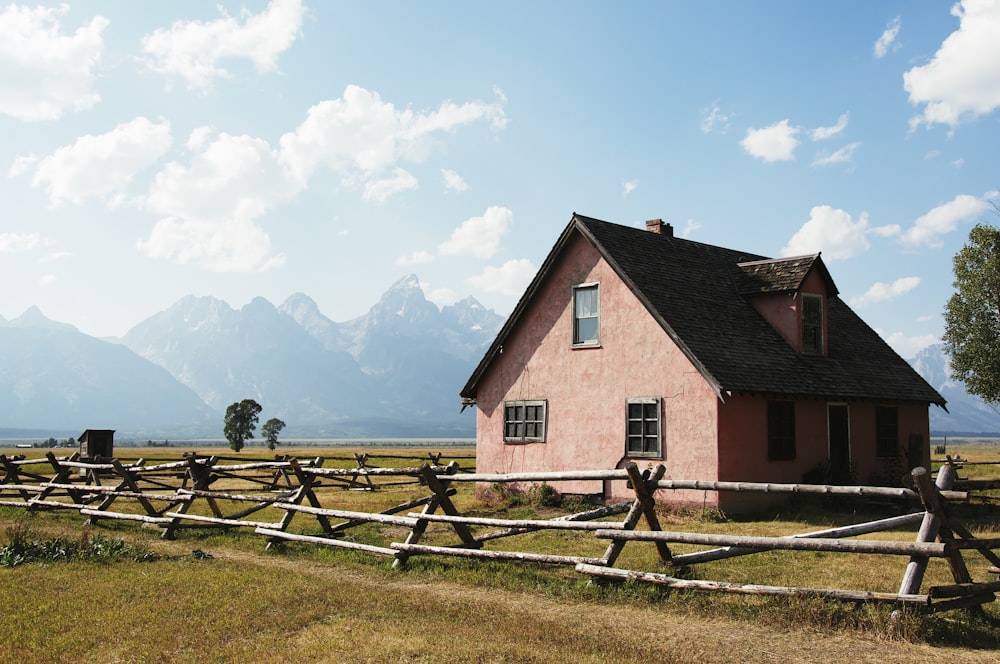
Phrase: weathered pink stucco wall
(586, 388)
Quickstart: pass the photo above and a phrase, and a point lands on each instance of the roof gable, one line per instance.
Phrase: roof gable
(698, 294)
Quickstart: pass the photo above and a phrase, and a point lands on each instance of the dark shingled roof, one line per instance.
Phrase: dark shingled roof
(699, 294)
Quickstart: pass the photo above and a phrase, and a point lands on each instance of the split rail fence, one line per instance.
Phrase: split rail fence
(164, 496)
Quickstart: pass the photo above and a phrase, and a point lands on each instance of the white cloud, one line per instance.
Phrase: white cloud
(479, 236)
(841, 156)
(47, 280)
(962, 81)
(690, 227)
(882, 292)
(713, 119)
(629, 187)
(831, 231)
(100, 166)
(908, 346)
(45, 72)
(928, 228)
(511, 278)
(194, 50)
(887, 40)
(56, 256)
(381, 190)
(453, 180)
(17, 242)
(420, 257)
(362, 138)
(210, 205)
(776, 142)
(823, 133)
(439, 296)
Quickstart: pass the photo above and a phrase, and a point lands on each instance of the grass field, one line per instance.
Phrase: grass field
(219, 596)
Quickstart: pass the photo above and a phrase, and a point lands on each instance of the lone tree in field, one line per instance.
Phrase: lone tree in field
(270, 431)
(972, 314)
(241, 420)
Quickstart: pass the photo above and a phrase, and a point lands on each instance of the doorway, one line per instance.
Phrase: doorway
(839, 431)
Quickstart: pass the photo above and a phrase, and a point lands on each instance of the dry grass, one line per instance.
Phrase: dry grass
(309, 603)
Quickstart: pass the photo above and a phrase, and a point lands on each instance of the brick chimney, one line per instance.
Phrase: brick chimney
(657, 226)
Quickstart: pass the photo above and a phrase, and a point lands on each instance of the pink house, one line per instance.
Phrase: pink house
(635, 345)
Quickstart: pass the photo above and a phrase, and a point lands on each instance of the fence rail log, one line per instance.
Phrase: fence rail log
(750, 589)
(535, 524)
(546, 476)
(928, 549)
(349, 514)
(840, 531)
(222, 495)
(601, 512)
(963, 589)
(824, 489)
(326, 541)
(217, 521)
(145, 518)
(495, 555)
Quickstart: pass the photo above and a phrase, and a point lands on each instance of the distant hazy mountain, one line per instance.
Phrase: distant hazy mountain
(966, 413)
(54, 377)
(395, 371)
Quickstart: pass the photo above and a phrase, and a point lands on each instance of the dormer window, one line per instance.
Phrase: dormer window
(812, 324)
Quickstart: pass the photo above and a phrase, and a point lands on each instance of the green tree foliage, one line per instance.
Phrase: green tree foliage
(241, 420)
(270, 431)
(972, 315)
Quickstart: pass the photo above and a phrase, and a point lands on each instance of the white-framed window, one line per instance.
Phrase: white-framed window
(643, 430)
(586, 314)
(524, 421)
(812, 324)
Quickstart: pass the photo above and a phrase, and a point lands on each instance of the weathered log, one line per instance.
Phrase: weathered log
(327, 541)
(540, 524)
(545, 476)
(750, 589)
(33, 488)
(348, 472)
(145, 518)
(220, 521)
(222, 495)
(104, 490)
(963, 589)
(841, 531)
(784, 543)
(599, 513)
(348, 514)
(961, 603)
(985, 543)
(52, 503)
(494, 555)
(826, 489)
(913, 576)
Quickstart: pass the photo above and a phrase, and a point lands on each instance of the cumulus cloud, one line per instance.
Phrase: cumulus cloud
(420, 257)
(47, 280)
(690, 227)
(629, 187)
(361, 137)
(882, 292)
(776, 142)
(511, 278)
(439, 296)
(45, 72)
(11, 243)
(713, 119)
(929, 227)
(841, 156)
(908, 346)
(962, 80)
(380, 190)
(195, 50)
(453, 181)
(823, 133)
(102, 165)
(479, 236)
(223, 245)
(831, 231)
(887, 40)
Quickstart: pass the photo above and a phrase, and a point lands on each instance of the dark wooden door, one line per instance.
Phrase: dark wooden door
(838, 426)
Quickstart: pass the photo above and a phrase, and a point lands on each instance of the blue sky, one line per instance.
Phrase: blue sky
(158, 149)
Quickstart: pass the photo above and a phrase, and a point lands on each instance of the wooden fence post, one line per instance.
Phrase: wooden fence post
(644, 484)
(929, 527)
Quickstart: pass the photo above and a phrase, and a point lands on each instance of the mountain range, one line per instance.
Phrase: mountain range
(393, 372)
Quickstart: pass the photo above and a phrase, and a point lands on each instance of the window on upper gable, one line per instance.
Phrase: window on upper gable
(642, 427)
(780, 430)
(812, 324)
(524, 421)
(887, 432)
(586, 315)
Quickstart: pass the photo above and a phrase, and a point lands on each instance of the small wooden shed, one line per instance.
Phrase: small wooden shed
(96, 443)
